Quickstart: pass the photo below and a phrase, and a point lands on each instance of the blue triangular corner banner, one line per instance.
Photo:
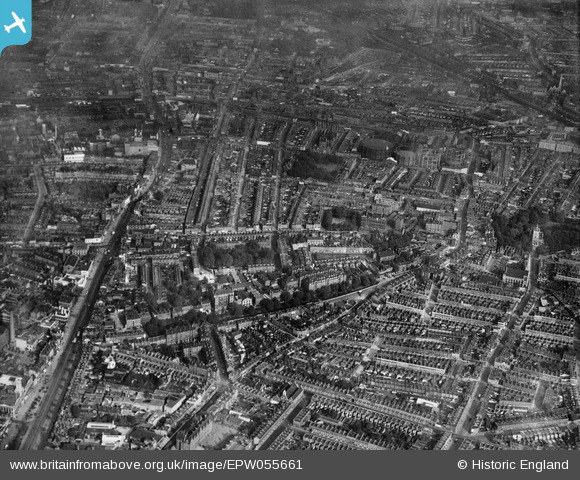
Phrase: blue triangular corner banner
(15, 22)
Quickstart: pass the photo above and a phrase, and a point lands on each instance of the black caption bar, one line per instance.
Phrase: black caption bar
(292, 464)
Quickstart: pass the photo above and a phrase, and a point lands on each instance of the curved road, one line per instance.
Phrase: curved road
(62, 366)
(38, 205)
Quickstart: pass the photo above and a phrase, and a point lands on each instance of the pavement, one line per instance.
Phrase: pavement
(473, 404)
(54, 377)
(38, 205)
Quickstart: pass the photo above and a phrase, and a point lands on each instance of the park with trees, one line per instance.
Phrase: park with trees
(318, 166)
(250, 253)
(341, 218)
(560, 232)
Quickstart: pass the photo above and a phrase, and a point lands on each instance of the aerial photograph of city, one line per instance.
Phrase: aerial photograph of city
(290, 225)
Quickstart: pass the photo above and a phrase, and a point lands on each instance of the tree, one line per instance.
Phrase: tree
(293, 303)
(75, 410)
(235, 309)
(178, 301)
(299, 296)
(207, 257)
(306, 163)
(152, 328)
(365, 280)
(285, 296)
(324, 292)
(326, 221)
(267, 304)
(252, 246)
(223, 259)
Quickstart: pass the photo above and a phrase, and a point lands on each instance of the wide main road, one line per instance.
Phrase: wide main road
(39, 202)
(63, 364)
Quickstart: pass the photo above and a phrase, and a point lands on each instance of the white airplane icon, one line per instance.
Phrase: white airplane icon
(17, 23)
